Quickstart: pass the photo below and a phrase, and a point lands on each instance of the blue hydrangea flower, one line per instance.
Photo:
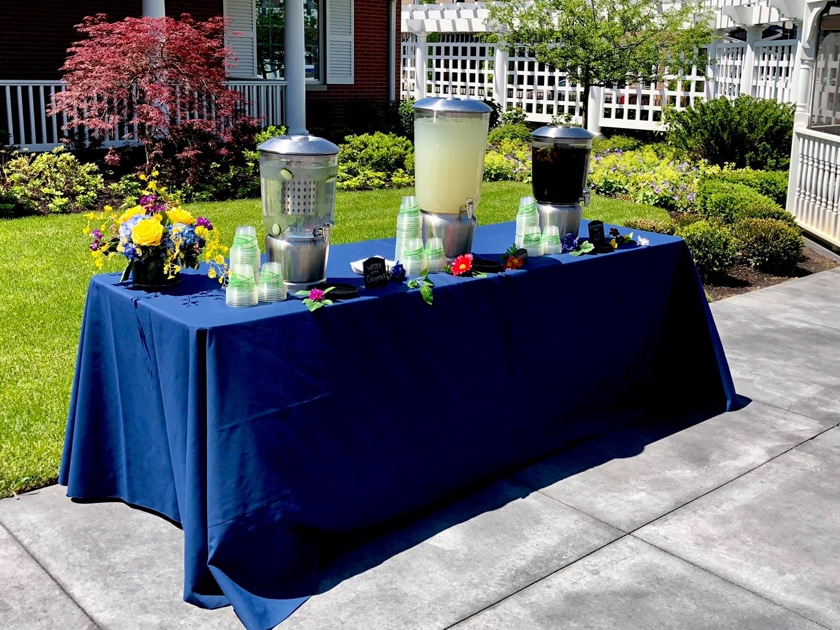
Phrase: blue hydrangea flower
(397, 272)
(569, 242)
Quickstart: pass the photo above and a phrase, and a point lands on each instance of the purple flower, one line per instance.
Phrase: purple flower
(94, 246)
(96, 234)
(398, 272)
(316, 295)
(204, 223)
(569, 242)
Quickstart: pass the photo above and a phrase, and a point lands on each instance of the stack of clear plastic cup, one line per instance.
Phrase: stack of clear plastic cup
(551, 240)
(409, 226)
(434, 255)
(271, 287)
(533, 241)
(527, 218)
(413, 259)
(245, 250)
(241, 289)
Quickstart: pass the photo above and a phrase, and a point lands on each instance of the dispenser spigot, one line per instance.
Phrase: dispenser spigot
(324, 231)
(469, 208)
(587, 197)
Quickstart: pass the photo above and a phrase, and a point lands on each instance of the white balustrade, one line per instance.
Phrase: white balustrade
(814, 189)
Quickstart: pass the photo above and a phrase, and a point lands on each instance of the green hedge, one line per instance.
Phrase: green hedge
(730, 201)
(712, 247)
(768, 244)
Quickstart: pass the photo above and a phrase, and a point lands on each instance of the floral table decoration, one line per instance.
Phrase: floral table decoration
(157, 237)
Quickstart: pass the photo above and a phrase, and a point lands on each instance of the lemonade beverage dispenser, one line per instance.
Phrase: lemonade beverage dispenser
(450, 139)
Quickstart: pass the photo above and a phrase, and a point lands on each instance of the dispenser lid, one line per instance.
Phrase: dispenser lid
(452, 105)
(298, 145)
(561, 134)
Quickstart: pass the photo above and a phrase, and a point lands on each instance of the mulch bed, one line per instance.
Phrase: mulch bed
(743, 279)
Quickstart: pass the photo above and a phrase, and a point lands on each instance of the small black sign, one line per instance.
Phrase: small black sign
(596, 233)
(375, 272)
(597, 238)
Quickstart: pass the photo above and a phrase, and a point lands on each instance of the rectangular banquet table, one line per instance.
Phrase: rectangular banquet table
(265, 430)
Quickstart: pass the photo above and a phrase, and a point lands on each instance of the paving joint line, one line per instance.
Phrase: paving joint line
(52, 578)
(729, 581)
(633, 531)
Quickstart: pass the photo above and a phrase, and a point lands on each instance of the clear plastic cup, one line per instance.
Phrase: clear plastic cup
(551, 240)
(241, 289)
(413, 259)
(409, 226)
(409, 203)
(526, 219)
(271, 287)
(434, 255)
(533, 241)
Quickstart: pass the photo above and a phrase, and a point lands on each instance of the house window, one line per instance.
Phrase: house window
(270, 22)
(825, 99)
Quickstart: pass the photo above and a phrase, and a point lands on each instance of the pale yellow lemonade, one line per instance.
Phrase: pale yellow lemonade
(449, 162)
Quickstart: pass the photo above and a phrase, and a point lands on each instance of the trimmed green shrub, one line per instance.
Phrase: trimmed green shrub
(712, 247)
(772, 184)
(52, 182)
(601, 144)
(517, 131)
(651, 225)
(684, 219)
(745, 132)
(768, 244)
(729, 201)
(377, 160)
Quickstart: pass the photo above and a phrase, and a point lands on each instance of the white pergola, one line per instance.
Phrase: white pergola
(295, 61)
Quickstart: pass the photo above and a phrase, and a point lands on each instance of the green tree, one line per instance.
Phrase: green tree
(604, 42)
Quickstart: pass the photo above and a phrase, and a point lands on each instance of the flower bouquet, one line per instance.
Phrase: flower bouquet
(157, 237)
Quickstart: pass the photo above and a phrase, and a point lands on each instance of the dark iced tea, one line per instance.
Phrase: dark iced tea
(559, 174)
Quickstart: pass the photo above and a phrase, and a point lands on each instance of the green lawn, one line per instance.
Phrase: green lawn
(45, 269)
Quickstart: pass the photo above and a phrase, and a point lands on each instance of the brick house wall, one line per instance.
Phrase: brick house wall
(35, 42)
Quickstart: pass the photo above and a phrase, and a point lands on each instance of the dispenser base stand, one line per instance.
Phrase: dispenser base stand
(303, 260)
(566, 217)
(455, 230)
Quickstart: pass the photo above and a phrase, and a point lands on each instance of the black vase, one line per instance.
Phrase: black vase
(149, 274)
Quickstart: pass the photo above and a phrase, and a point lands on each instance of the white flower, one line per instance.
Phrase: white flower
(642, 241)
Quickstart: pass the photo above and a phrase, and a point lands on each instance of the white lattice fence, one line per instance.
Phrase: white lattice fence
(825, 110)
(773, 70)
(539, 90)
(408, 70)
(728, 67)
(458, 65)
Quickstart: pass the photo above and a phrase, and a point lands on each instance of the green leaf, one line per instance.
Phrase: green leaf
(302, 293)
(577, 252)
(413, 284)
(586, 247)
(126, 273)
(328, 289)
(424, 273)
(312, 305)
(427, 294)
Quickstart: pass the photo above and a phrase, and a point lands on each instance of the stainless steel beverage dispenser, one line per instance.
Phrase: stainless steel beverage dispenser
(559, 169)
(450, 139)
(297, 179)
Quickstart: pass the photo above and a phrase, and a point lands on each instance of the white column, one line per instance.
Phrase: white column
(795, 73)
(748, 71)
(711, 70)
(295, 70)
(500, 76)
(154, 8)
(594, 109)
(420, 72)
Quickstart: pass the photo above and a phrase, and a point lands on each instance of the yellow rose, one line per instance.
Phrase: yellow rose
(131, 212)
(147, 232)
(176, 215)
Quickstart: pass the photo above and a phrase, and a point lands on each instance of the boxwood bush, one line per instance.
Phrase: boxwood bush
(768, 244)
(602, 144)
(712, 247)
(731, 201)
(651, 225)
(772, 184)
(377, 160)
(515, 131)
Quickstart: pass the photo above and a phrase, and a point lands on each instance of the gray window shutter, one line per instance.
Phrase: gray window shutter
(242, 19)
(340, 41)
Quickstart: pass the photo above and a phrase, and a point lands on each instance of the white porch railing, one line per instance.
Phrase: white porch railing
(814, 189)
(24, 104)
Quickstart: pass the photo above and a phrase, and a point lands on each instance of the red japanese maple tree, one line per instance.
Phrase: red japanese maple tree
(146, 78)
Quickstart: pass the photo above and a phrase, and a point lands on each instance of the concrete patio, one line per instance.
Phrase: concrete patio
(733, 522)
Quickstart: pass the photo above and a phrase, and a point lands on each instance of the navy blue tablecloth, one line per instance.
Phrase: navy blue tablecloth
(262, 430)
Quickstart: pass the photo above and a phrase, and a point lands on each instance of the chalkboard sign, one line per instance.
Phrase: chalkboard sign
(597, 238)
(375, 272)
